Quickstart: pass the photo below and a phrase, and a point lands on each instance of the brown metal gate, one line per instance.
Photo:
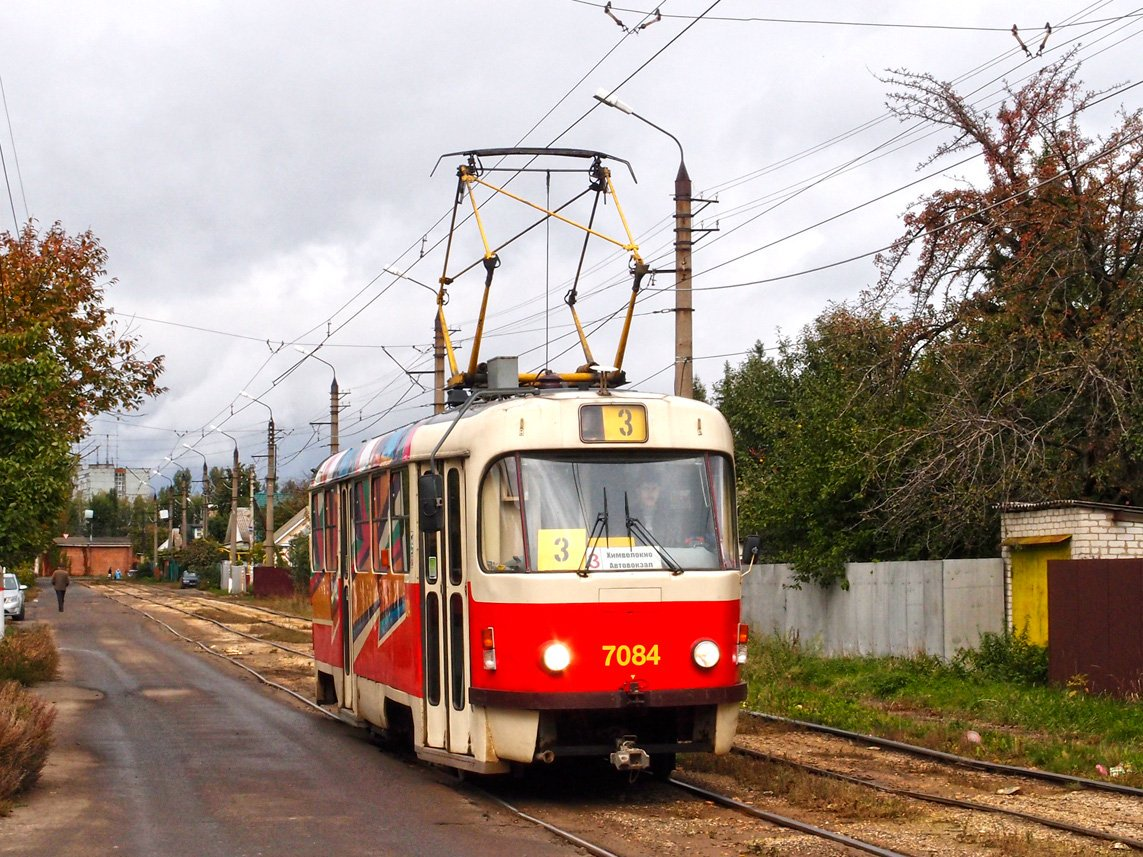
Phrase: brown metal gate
(1095, 612)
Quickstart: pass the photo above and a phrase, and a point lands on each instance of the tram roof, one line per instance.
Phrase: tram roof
(398, 445)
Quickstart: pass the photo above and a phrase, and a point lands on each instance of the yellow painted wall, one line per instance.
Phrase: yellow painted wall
(1030, 587)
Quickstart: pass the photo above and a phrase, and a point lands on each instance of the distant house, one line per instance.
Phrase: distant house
(298, 525)
(244, 536)
(84, 557)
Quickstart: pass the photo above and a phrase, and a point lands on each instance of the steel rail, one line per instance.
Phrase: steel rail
(952, 758)
(590, 848)
(566, 835)
(207, 597)
(784, 821)
(224, 627)
(237, 663)
(941, 799)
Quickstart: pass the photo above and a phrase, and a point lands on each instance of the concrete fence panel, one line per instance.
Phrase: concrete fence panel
(890, 608)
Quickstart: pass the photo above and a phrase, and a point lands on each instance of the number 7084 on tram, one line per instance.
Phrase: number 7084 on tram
(533, 577)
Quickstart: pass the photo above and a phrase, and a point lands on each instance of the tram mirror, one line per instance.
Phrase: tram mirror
(750, 549)
(430, 490)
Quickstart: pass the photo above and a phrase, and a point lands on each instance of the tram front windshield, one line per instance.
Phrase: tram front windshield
(589, 512)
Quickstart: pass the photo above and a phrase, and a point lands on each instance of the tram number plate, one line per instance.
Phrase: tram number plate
(613, 424)
(633, 656)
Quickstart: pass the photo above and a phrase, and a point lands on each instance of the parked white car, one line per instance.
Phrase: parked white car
(13, 596)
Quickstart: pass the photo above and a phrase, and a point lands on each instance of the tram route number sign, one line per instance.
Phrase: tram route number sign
(566, 550)
(622, 423)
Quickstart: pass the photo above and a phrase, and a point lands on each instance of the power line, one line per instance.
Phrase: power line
(755, 19)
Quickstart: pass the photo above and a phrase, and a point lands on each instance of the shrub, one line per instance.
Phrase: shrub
(25, 738)
(1010, 656)
(300, 563)
(28, 654)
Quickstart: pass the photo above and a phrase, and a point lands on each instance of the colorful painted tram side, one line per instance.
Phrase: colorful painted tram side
(532, 577)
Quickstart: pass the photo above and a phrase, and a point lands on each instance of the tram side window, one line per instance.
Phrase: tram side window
(361, 526)
(390, 522)
(317, 531)
(501, 537)
(330, 532)
(398, 523)
(379, 488)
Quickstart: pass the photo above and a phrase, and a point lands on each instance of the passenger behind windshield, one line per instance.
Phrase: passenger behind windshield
(671, 510)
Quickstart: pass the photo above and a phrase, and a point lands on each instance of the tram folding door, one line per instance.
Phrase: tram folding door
(345, 595)
(444, 606)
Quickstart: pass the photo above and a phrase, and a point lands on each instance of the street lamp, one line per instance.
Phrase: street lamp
(438, 341)
(271, 479)
(205, 490)
(232, 524)
(334, 398)
(684, 340)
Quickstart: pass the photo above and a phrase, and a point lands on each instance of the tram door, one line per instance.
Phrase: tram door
(446, 622)
(345, 593)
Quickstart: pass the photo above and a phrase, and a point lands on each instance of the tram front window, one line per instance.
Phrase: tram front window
(595, 512)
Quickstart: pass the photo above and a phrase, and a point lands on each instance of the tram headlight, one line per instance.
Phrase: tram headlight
(556, 657)
(706, 653)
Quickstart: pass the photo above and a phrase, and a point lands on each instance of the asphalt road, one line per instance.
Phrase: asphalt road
(160, 750)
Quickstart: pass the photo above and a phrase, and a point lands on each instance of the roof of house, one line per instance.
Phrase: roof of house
(1064, 504)
(299, 524)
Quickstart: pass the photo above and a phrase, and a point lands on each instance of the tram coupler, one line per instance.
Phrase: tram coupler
(628, 757)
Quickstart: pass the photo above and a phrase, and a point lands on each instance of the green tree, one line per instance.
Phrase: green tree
(995, 359)
(1023, 313)
(62, 359)
(804, 420)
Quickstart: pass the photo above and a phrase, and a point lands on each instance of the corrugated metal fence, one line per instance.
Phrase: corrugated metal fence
(1095, 617)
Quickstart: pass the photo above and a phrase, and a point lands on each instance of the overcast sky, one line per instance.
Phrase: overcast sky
(253, 168)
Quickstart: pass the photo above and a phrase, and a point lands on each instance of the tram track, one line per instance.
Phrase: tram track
(581, 839)
(580, 822)
(974, 806)
(951, 758)
(166, 604)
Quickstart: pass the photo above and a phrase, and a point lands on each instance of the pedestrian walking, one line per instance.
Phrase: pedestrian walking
(60, 582)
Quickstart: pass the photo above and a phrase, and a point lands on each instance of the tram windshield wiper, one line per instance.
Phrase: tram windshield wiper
(634, 525)
(600, 526)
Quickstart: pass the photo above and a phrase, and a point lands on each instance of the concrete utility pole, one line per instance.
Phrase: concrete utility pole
(271, 479)
(205, 491)
(232, 524)
(438, 366)
(271, 485)
(155, 539)
(334, 407)
(334, 398)
(684, 308)
(183, 531)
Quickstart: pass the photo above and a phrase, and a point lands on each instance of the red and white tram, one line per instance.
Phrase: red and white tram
(502, 583)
